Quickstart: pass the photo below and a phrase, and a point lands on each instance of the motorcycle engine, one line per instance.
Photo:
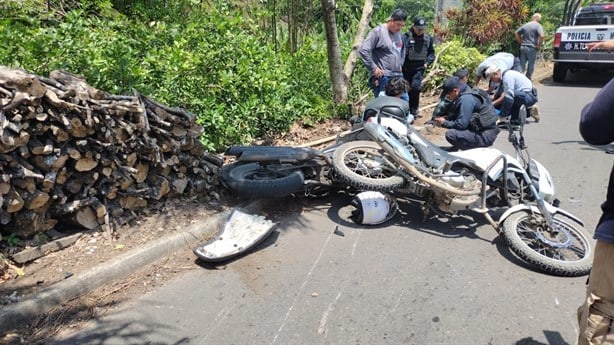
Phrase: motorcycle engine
(451, 203)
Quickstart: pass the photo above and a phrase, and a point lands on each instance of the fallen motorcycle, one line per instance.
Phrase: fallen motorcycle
(277, 171)
(481, 180)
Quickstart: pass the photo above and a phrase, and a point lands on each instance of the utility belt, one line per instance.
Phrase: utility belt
(414, 63)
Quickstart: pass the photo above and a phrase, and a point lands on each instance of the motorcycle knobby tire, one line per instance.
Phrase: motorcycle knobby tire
(527, 247)
(349, 168)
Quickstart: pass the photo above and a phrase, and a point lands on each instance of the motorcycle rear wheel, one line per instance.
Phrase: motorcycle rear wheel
(361, 165)
(257, 181)
(566, 253)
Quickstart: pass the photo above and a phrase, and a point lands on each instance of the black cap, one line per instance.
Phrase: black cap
(461, 73)
(420, 22)
(450, 84)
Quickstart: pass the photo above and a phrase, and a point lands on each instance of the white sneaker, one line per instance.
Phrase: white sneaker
(534, 112)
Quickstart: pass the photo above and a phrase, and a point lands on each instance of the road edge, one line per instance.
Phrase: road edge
(13, 317)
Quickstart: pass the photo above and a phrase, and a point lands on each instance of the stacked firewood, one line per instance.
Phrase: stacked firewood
(74, 155)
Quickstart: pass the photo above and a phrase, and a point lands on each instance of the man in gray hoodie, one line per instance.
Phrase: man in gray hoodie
(383, 52)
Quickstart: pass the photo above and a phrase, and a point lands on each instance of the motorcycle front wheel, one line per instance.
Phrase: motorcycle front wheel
(361, 165)
(565, 251)
(258, 181)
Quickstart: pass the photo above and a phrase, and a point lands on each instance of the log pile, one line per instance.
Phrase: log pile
(71, 154)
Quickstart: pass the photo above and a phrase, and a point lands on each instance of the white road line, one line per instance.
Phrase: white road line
(221, 316)
(300, 292)
(356, 243)
(331, 307)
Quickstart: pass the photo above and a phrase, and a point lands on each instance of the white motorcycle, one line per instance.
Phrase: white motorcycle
(481, 180)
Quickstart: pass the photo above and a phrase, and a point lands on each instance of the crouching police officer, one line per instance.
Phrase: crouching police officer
(471, 118)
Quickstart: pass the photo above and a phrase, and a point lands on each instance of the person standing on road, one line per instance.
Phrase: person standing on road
(420, 53)
(383, 52)
(530, 36)
(471, 120)
(596, 314)
(517, 90)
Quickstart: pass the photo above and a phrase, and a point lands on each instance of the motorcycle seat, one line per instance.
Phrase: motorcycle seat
(386, 111)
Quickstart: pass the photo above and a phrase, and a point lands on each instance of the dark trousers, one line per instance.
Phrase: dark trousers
(414, 78)
(510, 107)
(466, 139)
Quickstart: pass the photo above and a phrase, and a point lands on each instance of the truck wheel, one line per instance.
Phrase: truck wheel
(559, 72)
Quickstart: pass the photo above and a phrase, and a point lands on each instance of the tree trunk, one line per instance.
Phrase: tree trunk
(361, 33)
(339, 79)
(341, 75)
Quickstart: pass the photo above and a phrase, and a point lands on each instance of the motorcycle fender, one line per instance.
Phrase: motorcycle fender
(271, 153)
(553, 210)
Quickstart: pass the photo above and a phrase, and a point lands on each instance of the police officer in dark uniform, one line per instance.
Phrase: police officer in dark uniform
(420, 54)
(471, 121)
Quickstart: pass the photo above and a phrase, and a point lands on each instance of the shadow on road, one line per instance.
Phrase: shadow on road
(411, 217)
(553, 338)
(582, 78)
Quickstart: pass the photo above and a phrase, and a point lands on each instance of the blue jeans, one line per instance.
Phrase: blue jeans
(510, 107)
(380, 88)
(528, 55)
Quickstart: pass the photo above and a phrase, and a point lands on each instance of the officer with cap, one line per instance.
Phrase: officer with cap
(443, 106)
(471, 120)
(419, 54)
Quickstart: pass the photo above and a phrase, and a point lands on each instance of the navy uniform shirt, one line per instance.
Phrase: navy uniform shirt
(597, 128)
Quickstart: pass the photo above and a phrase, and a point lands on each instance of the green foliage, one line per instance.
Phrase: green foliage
(12, 240)
(487, 24)
(211, 61)
(551, 11)
(208, 57)
(452, 56)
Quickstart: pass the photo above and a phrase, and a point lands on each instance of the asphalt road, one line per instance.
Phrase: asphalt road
(444, 281)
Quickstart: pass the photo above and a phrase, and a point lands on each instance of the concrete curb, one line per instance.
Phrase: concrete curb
(12, 317)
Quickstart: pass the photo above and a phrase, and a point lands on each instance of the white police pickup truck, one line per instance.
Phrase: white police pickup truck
(586, 24)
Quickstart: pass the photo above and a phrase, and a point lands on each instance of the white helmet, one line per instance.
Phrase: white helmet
(373, 208)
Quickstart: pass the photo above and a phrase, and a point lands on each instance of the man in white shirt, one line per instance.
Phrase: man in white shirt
(504, 61)
(518, 90)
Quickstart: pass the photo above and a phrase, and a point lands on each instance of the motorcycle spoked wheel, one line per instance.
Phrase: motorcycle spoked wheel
(254, 180)
(566, 253)
(361, 165)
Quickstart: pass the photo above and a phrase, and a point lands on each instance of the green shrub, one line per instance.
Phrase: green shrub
(451, 56)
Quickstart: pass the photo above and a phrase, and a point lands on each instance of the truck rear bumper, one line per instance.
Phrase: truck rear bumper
(592, 60)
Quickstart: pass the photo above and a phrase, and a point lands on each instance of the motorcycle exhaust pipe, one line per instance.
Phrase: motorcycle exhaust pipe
(402, 156)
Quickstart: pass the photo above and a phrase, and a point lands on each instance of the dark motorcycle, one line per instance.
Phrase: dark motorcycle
(276, 171)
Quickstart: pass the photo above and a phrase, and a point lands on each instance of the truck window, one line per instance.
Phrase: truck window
(592, 19)
(594, 15)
